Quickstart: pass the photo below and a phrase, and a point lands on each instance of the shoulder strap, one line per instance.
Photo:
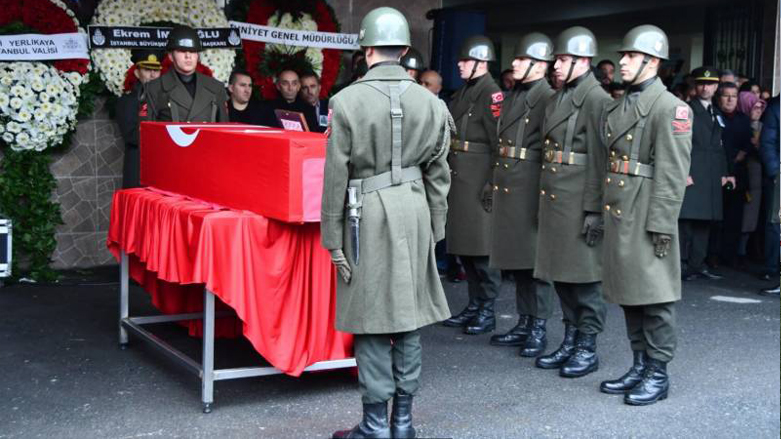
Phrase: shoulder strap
(394, 90)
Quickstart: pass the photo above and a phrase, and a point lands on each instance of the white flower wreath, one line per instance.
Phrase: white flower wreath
(313, 54)
(38, 104)
(112, 64)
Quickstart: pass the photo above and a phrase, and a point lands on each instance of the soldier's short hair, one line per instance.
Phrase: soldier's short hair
(390, 52)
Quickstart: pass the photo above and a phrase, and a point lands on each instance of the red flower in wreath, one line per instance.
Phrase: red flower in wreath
(44, 17)
(263, 67)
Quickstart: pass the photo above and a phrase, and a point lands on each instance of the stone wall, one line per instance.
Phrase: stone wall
(87, 176)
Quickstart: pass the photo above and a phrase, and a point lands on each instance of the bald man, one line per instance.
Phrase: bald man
(432, 81)
(288, 85)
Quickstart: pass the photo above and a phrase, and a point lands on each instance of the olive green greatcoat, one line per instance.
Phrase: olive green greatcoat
(516, 181)
(395, 287)
(208, 105)
(468, 224)
(562, 253)
(640, 206)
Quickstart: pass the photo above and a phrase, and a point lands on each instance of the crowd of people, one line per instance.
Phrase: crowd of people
(556, 176)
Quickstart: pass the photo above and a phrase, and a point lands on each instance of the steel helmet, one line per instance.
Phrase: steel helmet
(536, 46)
(413, 60)
(647, 39)
(478, 47)
(183, 38)
(577, 41)
(384, 27)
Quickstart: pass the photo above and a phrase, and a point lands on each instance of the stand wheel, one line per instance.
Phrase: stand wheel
(207, 408)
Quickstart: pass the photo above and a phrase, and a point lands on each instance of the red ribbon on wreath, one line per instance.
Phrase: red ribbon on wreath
(259, 13)
(46, 18)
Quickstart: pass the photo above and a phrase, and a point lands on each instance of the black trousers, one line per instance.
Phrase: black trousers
(533, 297)
(651, 328)
(694, 236)
(483, 281)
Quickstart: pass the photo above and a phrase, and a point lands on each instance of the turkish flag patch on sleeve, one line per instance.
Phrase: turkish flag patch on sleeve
(496, 104)
(682, 112)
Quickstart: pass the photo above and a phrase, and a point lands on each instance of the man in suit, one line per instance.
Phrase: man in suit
(310, 93)
(702, 203)
(182, 94)
(386, 158)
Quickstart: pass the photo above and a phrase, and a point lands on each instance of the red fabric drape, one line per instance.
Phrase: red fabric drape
(274, 275)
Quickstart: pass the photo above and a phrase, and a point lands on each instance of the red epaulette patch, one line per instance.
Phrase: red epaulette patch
(142, 111)
(682, 126)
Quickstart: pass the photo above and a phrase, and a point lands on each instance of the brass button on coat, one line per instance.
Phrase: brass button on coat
(496, 188)
(542, 192)
(608, 180)
(618, 212)
(629, 137)
(506, 190)
(607, 207)
(621, 183)
(553, 170)
(506, 166)
(552, 196)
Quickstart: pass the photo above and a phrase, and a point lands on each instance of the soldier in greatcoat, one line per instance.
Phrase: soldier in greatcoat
(703, 201)
(383, 209)
(570, 218)
(182, 94)
(517, 193)
(475, 107)
(648, 133)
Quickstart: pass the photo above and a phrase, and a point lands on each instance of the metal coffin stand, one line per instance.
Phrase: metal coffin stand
(206, 372)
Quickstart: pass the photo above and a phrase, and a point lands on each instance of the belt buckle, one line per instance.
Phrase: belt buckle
(523, 154)
(465, 146)
(571, 159)
(549, 155)
(503, 151)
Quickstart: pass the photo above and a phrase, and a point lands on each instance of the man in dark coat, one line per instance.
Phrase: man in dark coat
(570, 217)
(475, 107)
(702, 203)
(129, 110)
(182, 94)
(517, 193)
(242, 107)
(288, 85)
(310, 93)
(736, 137)
(648, 134)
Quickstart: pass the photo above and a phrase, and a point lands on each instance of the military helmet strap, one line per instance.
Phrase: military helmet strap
(532, 62)
(646, 59)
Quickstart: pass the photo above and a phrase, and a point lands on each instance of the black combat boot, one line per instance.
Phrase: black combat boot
(654, 387)
(374, 424)
(584, 360)
(485, 320)
(537, 340)
(461, 319)
(560, 356)
(514, 337)
(629, 380)
(401, 418)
